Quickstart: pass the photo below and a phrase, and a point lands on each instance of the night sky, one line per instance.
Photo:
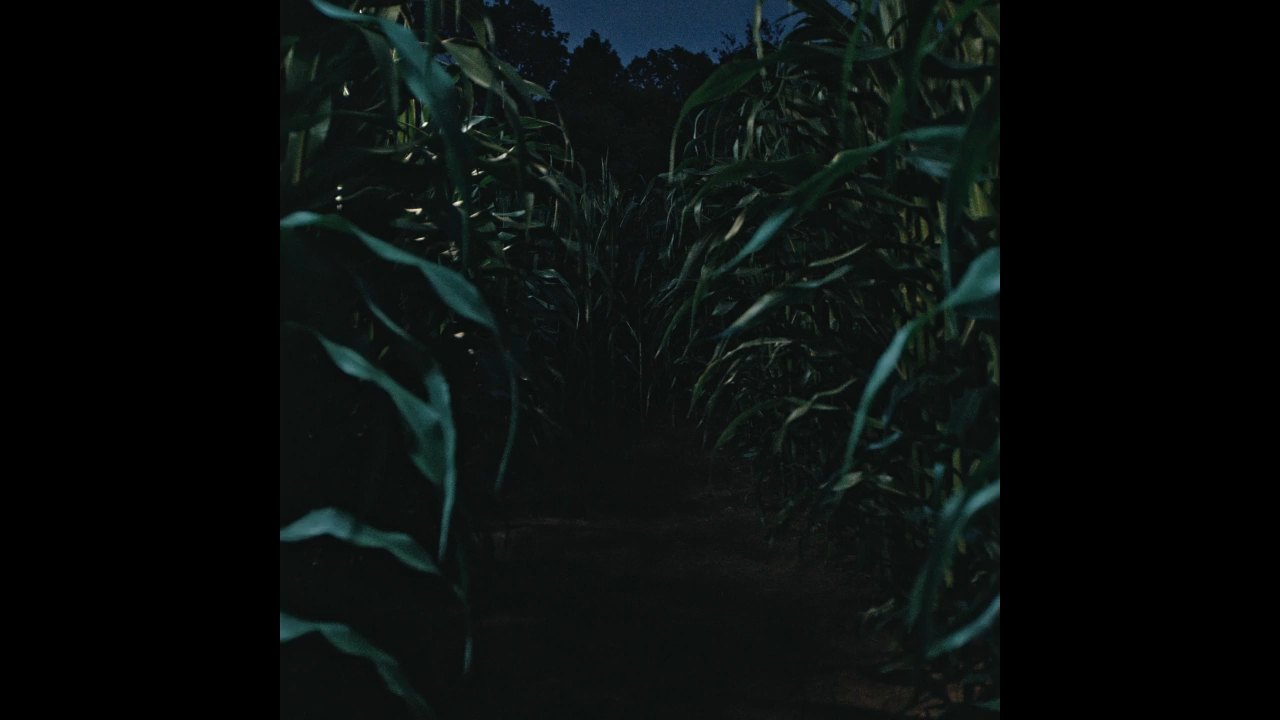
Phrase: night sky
(636, 26)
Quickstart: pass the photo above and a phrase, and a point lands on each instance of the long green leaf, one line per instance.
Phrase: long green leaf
(349, 641)
(981, 282)
(781, 295)
(727, 80)
(978, 139)
(433, 87)
(960, 637)
(804, 197)
(745, 415)
(430, 425)
(956, 514)
(430, 381)
(331, 521)
(455, 290)
(439, 389)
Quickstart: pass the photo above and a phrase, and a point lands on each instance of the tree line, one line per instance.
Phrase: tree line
(615, 114)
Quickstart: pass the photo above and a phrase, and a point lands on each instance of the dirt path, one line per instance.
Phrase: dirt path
(665, 603)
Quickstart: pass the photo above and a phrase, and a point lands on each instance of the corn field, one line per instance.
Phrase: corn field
(811, 289)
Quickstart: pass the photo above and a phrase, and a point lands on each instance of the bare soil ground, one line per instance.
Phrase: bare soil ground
(638, 584)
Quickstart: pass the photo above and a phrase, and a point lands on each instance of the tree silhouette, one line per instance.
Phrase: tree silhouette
(622, 116)
(525, 36)
(673, 73)
(732, 47)
(594, 69)
(591, 97)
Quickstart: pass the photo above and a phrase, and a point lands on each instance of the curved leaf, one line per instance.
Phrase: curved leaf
(981, 281)
(961, 636)
(349, 641)
(981, 133)
(779, 296)
(956, 514)
(433, 87)
(430, 425)
(331, 521)
(455, 290)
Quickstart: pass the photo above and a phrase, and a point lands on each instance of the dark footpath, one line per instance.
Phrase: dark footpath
(635, 583)
(642, 587)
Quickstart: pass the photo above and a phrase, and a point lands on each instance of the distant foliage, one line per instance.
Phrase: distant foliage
(525, 36)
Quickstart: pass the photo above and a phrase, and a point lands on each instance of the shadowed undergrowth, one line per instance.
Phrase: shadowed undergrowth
(596, 605)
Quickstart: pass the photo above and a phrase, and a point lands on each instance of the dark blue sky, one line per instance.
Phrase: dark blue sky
(636, 26)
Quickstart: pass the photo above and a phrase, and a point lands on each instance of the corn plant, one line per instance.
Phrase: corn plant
(836, 313)
(403, 268)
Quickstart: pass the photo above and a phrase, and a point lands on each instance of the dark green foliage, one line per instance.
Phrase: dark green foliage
(799, 248)
(834, 194)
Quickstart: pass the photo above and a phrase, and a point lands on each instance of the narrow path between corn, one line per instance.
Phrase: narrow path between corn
(638, 584)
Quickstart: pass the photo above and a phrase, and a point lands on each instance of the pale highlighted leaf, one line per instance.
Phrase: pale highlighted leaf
(456, 292)
(349, 641)
(334, 522)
